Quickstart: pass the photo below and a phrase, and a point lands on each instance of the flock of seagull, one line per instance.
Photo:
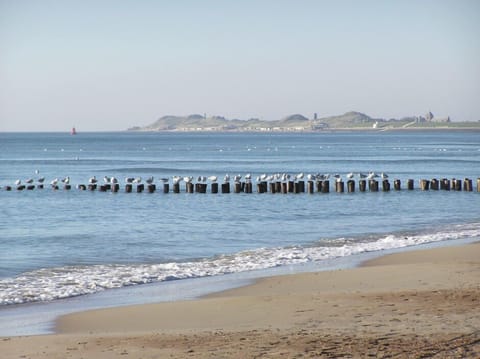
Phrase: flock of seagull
(276, 177)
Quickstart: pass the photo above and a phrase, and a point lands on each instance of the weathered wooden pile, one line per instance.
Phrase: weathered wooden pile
(263, 186)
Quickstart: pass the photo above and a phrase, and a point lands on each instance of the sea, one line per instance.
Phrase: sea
(68, 250)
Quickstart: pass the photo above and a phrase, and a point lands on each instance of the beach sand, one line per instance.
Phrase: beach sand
(423, 303)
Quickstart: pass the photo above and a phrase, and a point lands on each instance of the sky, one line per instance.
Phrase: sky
(110, 65)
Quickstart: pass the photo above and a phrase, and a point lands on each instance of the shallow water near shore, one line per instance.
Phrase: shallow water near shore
(70, 244)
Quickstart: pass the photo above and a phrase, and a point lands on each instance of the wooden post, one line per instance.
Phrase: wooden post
(22, 187)
(301, 186)
(291, 186)
(248, 187)
(410, 184)
(373, 185)
(445, 184)
(424, 185)
(284, 188)
(92, 186)
(189, 187)
(176, 187)
(82, 187)
(319, 186)
(362, 185)
(8, 188)
(140, 187)
(397, 185)
(166, 187)
(40, 186)
(151, 188)
(478, 184)
(259, 187)
(115, 187)
(202, 188)
(339, 187)
(31, 187)
(297, 187)
(434, 184)
(350, 186)
(128, 187)
(278, 187)
(214, 187)
(108, 186)
(226, 187)
(385, 185)
(457, 184)
(326, 186)
(310, 187)
(467, 185)
(237, 187)
(272, 188)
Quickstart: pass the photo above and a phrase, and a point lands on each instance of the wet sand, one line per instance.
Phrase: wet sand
(423, 303)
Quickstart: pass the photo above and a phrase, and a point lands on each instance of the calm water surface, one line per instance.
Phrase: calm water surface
(60, 244)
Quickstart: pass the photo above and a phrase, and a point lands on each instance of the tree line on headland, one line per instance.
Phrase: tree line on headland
(299, 123)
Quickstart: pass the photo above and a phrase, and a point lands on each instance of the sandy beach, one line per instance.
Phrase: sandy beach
(422, 303)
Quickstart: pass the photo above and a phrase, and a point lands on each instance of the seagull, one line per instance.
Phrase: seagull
(37, 172)
(30, 180)
(248, 177)
(106, 179)
(91, 180)
(66, 180)
(350, 175)
(164, 179)
(137, 180)
(362, 175)
(237, 178)
(149, 180)
(372, 175)
(311, 177)
(129, 179)
(226, 178)
(188, 179)
(18, 182)
(54, 182)
(337, 177)
(113, 180)
(263, 177)
(212, 178)
(299, 176)
(383, 175)
(176, 179)
(41, 180)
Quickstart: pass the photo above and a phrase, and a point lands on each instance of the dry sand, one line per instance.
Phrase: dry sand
(418, 304)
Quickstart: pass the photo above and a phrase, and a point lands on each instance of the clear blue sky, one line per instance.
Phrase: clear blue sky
(109, 65)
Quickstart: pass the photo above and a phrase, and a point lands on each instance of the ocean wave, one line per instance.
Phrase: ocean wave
(56, 283)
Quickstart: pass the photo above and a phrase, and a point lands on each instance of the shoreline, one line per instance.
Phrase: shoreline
(408, 303)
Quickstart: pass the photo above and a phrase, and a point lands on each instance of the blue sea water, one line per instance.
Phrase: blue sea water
(63, 244)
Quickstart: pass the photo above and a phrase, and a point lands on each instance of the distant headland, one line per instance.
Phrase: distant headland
(299, 123)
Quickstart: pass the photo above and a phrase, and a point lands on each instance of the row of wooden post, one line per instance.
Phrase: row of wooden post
(281, 187)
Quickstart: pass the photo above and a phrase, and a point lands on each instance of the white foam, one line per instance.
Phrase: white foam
(56, 283)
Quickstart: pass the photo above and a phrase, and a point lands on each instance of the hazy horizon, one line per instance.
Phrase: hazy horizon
(111, 65)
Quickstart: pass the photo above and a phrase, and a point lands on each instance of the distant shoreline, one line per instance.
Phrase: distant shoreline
(331, 130)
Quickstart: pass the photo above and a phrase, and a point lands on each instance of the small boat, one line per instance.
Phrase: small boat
(73, 131)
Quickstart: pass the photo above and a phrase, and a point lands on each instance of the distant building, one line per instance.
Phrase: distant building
(429, 116)
(315, 116)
